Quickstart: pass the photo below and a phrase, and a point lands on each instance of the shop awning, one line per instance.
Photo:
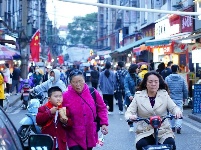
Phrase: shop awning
(193, 36)
(135, 44)
(7, 53)
(167, 40)
(158, 42)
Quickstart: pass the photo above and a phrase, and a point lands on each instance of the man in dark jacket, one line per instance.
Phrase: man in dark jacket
(94, 77)
(15, 78)
(120, 91)
(167, 71)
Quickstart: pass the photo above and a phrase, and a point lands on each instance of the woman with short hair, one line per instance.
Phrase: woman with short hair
(83, 109)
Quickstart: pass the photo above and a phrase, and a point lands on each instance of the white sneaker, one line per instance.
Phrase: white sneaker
(132, 129)
(121, 112)
(109, 113)
(108, 107)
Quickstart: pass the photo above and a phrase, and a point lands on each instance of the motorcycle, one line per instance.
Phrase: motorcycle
(155, 122)
(25, 97)
(28, 123)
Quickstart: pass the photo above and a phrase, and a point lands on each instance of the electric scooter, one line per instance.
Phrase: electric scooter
(155, 122)
(25, 97)
(28, 123)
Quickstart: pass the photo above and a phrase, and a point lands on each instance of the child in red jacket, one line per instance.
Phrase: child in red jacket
(54, 119)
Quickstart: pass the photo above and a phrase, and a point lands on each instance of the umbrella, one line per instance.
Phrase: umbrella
(6, 54)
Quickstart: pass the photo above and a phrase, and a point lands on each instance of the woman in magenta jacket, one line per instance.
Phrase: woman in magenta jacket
(83, 110)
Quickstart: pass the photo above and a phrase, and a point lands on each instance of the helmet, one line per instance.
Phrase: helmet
(143, 67)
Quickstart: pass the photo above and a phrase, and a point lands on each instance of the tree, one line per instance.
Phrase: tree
(83, 30)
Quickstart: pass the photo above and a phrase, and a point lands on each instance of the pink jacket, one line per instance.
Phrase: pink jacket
(82, 114)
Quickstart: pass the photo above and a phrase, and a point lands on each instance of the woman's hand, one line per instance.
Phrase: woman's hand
(104, 129)
(131, 98)
(178, 114)
(133, 117)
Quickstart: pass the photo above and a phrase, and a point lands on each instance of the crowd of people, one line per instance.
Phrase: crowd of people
(75, 113)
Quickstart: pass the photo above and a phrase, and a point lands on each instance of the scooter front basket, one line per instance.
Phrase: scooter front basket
(158, 147)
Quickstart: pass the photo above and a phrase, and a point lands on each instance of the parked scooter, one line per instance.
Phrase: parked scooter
(28, 123)
(24, 88)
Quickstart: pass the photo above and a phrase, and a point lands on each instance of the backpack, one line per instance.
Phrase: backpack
(97, 119)
(121, 81)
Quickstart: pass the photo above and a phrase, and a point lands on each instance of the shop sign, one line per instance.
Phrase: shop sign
(8, 37)
(149, 31)
(175, 22)
(164, 50)
(162, 29)
(187, 22)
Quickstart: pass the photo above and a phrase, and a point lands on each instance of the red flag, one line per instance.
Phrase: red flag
(35, 47)
(49, 55)
(61, 59)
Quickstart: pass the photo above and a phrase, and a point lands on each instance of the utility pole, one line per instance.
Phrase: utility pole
(23, 39)
(43, 27)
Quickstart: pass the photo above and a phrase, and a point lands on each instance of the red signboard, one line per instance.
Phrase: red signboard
(175, 24)
(187, 21)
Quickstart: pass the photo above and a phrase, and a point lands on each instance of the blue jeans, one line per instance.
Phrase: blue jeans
(177, 122)
(120, 97)
(15, 84)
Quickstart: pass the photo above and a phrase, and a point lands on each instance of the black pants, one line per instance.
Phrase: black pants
(78, 148)
(108, 99)
(1, 103)
(7, 88)
(120, 98)
(95, 85)
(151, 141)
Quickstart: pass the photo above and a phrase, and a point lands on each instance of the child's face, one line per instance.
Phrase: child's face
(56, 98)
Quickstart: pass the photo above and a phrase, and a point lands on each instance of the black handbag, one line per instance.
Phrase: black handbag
(97, 119)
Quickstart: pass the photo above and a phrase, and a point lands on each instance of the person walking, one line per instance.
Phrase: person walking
(143, 71)
(15, 78)
(167, 71)
(2, 96)
(87, 75)
(178, 93)
(83, 110)
(107, 85)
(131, 82)
(54, 119)
(7, 79)
(120, 91)
(95, 77)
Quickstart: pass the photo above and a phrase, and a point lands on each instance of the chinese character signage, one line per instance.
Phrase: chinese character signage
(197, 98)
(187, 22)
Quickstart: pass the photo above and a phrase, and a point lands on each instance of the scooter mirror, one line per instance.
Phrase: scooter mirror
(40, 141)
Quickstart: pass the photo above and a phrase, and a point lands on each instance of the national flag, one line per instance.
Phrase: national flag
(61, 59)
(35, 46)
(49, 57)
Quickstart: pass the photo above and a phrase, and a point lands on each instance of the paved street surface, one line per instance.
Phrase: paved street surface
(119, 137)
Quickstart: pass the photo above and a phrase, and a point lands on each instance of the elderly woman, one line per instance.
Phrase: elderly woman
(152, 100)
(83, 110)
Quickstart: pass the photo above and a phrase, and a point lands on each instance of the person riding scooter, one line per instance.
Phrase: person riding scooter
(54, 80)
